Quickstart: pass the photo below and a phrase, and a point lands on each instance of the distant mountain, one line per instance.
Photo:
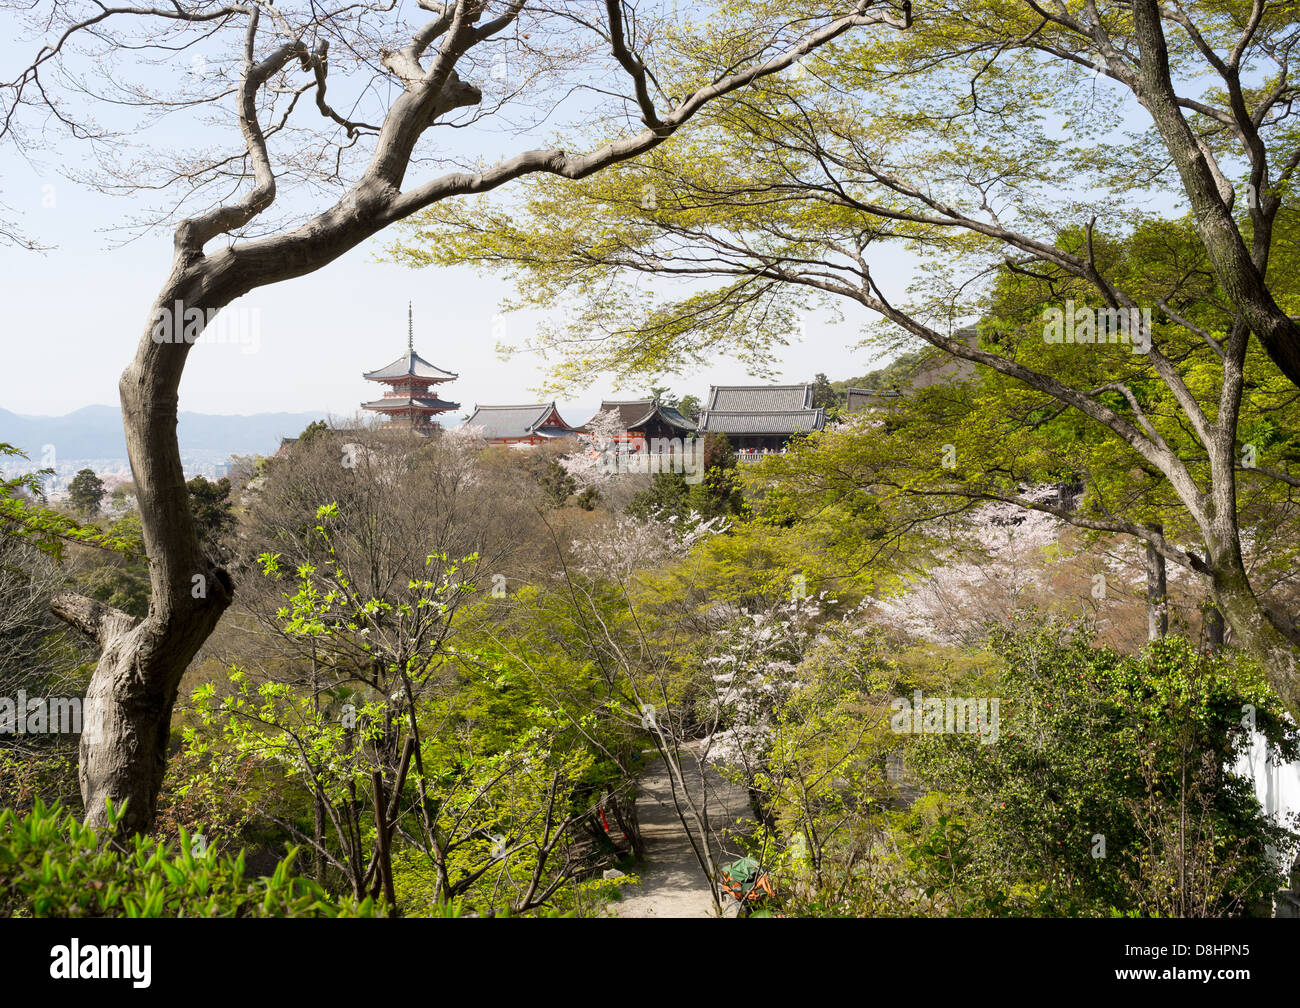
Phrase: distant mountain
(95, 432)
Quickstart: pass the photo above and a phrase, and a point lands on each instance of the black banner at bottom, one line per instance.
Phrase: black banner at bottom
(219, 959)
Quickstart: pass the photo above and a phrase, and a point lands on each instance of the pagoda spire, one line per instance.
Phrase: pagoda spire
(410, 399)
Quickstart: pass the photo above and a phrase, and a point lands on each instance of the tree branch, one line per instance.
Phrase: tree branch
(97, 621)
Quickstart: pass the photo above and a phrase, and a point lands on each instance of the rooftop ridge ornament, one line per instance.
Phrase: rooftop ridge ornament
(410, 328)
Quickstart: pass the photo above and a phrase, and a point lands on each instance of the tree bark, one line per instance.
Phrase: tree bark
(1213, 629)
(1270, 637)
(1157, 592)
(1239, 273)
(129, 702)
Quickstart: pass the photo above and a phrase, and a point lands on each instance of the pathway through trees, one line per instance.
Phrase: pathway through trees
(672, 882)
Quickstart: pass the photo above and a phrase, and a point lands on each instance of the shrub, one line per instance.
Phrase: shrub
(51, 865)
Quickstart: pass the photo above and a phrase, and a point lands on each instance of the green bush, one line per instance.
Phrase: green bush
(51, 865)
(1110, 788)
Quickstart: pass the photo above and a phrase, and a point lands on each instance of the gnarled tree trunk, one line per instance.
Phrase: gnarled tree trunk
(128, 707)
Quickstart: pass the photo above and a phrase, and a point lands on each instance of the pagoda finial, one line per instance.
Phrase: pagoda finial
(410, 328)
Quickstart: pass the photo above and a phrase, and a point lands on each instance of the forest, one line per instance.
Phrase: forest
(1014, 634)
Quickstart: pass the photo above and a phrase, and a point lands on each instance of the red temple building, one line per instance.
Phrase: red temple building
(411, 399)
(520, 426)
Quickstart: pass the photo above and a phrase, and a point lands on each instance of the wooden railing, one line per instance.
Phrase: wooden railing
(745, 457)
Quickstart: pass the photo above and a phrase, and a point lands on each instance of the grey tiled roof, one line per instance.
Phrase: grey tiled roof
(422, 402)
(763, 422)
(516, 421)
(637, 412)
(759, 398)
(761, 409)
(413, 365)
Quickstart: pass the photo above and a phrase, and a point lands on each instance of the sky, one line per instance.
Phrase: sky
(72, 315)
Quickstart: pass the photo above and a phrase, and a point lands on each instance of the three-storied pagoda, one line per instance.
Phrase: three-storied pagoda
(411, 399)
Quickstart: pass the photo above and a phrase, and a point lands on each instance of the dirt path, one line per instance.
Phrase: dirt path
(672, 882)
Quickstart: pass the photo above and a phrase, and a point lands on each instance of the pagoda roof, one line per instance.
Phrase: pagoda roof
(523, 421)
(416, 402)
(411, 365)
(639, 412)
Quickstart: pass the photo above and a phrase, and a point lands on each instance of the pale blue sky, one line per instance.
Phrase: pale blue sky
(72, 315)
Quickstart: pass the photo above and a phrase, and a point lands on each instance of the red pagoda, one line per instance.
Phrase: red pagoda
(411, 399)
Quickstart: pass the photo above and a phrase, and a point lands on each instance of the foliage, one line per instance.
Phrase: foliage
(557, 484)
(86, 492)
(717, 494)
(825, 394)
(53, 866)
(29, 776)
(492, 780)
(1108, 789)
(1019, 152)
(22, 515)
(312, 431)
(213, 510)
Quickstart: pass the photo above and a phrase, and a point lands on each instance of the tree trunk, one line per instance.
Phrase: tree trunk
(134, 686)
(129, 703)
(1212, 629)
(1269, 637)
(129, 708)
(1239, 273)
(1157, 592)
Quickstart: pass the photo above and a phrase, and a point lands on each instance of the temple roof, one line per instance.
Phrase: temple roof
(759, 398)
(638, 412)
(762, 422)
(761, 409)
(529, 420)
(410, 364)
(419, 402)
